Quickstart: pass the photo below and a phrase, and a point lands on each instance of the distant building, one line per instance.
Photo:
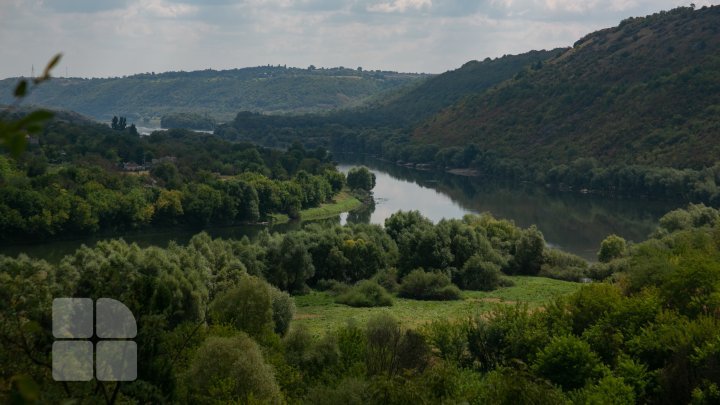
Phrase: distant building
(171, 159)
(132, 167)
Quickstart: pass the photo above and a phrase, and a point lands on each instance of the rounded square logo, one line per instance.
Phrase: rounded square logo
(72, 318)
(72, 360)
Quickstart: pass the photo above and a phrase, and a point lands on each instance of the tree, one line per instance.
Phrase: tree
(478, 274)
(611, 248)
(227, 369)
(569, 362)
(528, 258)
(118, 124)
(247, 307)
(361, 178)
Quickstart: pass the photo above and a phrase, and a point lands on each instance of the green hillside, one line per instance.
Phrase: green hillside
(268, 89)
(646, 92)
(398, 108)
(411, 104)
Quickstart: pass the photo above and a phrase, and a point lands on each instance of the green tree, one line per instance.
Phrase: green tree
(227, 369)
(361, 178)
(611, 248)
(247, 307)
(569, 362)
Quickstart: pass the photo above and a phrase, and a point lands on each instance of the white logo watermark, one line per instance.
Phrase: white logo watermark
(115, 358)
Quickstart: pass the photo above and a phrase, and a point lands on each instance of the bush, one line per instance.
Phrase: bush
(230, 369)
(611, 248)
(569, 362)
(388, 279)
(283, 309)
(478, 274)
(366, 293)
(563, 266)
(247, 307)
(422, 285)
(601, 271)
(333, 287)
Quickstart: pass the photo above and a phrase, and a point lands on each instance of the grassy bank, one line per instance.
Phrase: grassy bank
(342, 202)
(320, 314)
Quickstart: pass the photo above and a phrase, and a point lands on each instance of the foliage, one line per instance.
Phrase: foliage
(187, 121)
(366, 293)
(569, 362)
(221, 93)
(361, 178)
(422, 285)
(230, 368)
(611, 248)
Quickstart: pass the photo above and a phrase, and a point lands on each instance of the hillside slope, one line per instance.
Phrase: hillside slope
(645, 92)
(269, 89)
(412, 104)
(398, 108)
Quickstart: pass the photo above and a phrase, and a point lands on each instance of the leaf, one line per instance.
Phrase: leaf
(24, 385)
(21, 89)
(46, 74)
(35, 117)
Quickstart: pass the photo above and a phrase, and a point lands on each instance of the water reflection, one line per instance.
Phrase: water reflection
(574, 222)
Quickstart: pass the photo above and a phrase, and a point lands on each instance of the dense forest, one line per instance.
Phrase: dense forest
(626, 110)
(79, 178)
(215, 318)
(276, 89)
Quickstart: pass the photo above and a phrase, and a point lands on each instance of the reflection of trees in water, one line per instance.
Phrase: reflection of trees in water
(362, 214)
(577, 222)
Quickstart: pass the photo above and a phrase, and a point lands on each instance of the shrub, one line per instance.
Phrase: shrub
(230, 369)
(563, 266)
(283, 309)
(611, 248)
(478, 274)
(510, 386)
(423, 285)
(248, 307)
(349, 391)
(332, 286)
(366, 293)
(569, 362)
(391, 350)
(388, 279)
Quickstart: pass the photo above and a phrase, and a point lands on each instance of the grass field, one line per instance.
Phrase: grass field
(320, 314)
(342, 202)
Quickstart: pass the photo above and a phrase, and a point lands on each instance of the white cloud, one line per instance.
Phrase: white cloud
(120, 37)
(400, 6)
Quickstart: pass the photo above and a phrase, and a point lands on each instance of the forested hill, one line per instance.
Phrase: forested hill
(403, 107)
(644, 92)
(411, 104)
(269, 89)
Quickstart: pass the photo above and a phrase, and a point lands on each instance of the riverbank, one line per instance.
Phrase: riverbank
(344, 201)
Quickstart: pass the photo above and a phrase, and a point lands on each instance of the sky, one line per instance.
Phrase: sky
(108, 38)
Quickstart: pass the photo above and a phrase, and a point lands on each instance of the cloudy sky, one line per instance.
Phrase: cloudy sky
(101, 38)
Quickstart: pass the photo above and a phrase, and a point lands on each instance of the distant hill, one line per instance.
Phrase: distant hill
(412, 104)
(644, 92)
(221, 94)
(397, 108)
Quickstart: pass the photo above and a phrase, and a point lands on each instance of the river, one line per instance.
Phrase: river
(574, 222)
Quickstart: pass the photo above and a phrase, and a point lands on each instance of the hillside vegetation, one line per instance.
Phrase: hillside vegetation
(221, 93)
(644, 92)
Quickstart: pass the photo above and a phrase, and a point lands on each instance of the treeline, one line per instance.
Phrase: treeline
(219, 93)
(396, 145)
(187, 121)
(81, 179)
(213, 326)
